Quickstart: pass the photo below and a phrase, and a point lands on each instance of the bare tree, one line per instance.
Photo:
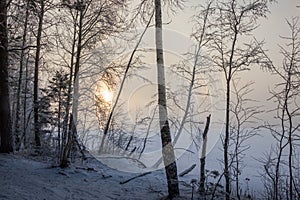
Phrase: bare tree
(229, 21)
(287, 112)
(244, 114)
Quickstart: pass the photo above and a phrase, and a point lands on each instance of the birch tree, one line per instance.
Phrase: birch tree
(244, 112)
(167, 145)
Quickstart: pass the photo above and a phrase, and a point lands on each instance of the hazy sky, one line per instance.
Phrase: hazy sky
(179, 28)
(269, 30)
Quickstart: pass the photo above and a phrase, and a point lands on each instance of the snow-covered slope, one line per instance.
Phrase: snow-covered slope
(23, 178)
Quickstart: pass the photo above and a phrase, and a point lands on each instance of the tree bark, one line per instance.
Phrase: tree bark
(76, 70)
(167, 146)
(5, 120)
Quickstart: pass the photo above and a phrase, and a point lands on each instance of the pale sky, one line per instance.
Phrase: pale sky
(269, 30)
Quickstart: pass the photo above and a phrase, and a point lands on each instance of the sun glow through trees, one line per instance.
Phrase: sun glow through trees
(107, 95)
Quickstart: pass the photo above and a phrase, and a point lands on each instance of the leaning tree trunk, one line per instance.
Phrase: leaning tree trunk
(109, 119)
(5, 121)
(167, 146)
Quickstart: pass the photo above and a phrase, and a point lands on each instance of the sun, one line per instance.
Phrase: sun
(107, 95)
(104, 92)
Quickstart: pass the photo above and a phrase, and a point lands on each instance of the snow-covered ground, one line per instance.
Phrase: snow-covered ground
(28, 179)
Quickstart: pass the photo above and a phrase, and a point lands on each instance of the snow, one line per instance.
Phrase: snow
(27, 179)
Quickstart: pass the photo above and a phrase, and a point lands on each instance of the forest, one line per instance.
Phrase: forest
(151, 99)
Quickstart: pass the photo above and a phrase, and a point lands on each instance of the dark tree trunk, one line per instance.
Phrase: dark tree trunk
(64, 161)
(203, 156)
(20, 81)
(227, 113)
(36, 75)
(226, 142)
(26, 117)
(167, 146)
(5, 120)
(59, 119)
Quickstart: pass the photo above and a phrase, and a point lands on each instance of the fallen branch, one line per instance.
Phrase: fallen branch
(63, 173)
(185, 172)
(140, 175)
(87, 168)
(140, 163)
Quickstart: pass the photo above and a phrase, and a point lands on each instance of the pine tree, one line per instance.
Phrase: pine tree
(52, 106)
